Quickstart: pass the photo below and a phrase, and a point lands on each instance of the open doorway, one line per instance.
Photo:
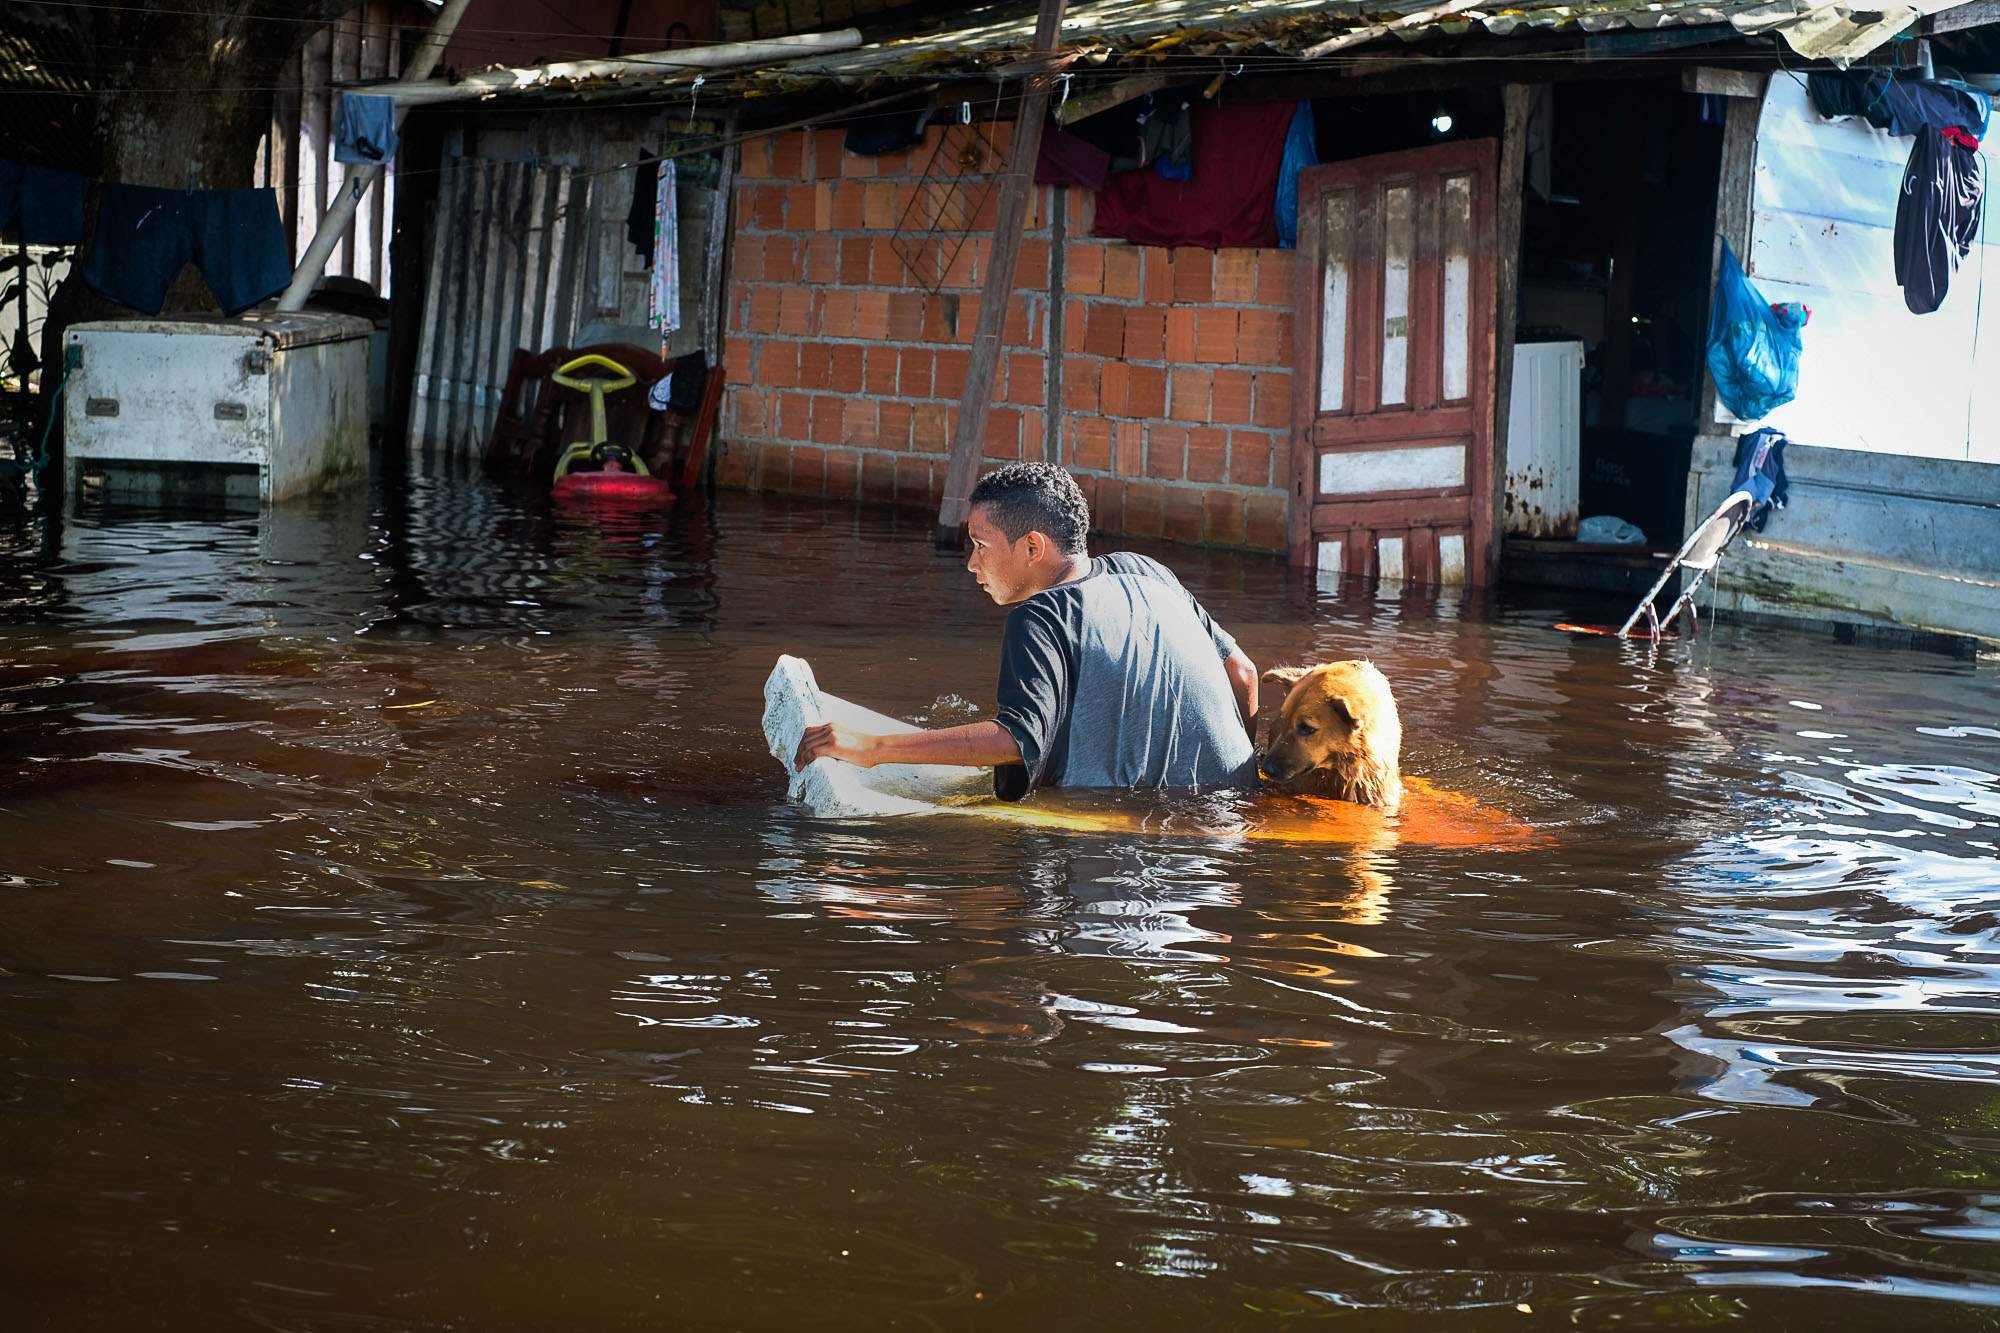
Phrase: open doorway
(1617, 229)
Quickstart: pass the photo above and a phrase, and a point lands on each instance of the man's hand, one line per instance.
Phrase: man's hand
(857, 748)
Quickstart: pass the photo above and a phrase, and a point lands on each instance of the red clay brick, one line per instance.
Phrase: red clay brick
(765, 305)
(859, 421)
(962, 272)
(1157, 287)
(750, 414)
(822, 260)
(827, 152)
(732, 464)
(1027, 379)
(1033, 437)
(843, 473)
(1232, 405)
(1031, 269)
(1121, 272)
(1191, 392)
(849, 368)
(1265, 338)
(1082, 212)
(801, 207)
(808, 471)
(1090, 443)
(878, 478)
(781, 259)
(1264, 522)
(885, 266)
(754, 164)
(1250, 453)
(1114, 388)
(1082, 377)
(1215, 336)
(930, 429)
(1145, 505)
(815, 366)
(859, 164)
(1023, 327)
(879, 380)
(1180, 336)
(1182, 520)
(795, 310)
(1277, 278)
(893, 428)
(1194, 276)
(913, 480)
(1083, 269)
(794, 417)
(1129, 451)
(1148, 394)
(1235, 278)
(836, 314)
(871, 314)
(773, 468)
(951, 367)
(1145, 334)
(1166, 451)
(1207, 454)
(736, 361)
(746, 258)
(778, 364)
(1003, 433)
(878, 206)
(854, 261)
(1274, 399)
(946, 314)
(917, 370)
(1073, 320)
(1221, 517)
(906, 317)
(1107, 507)
(788, 152)
(828, 419)
(1103, 329)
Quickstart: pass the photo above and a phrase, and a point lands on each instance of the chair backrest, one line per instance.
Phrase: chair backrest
(1708, 541)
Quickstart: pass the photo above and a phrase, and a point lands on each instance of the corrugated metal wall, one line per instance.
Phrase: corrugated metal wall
(369, 43)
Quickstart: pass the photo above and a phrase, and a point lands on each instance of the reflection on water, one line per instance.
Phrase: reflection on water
(406, 932)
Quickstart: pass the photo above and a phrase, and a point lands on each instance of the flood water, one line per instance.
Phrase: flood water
(405, 930)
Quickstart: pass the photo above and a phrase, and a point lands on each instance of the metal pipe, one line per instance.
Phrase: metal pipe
(423, 91)
(340, 214)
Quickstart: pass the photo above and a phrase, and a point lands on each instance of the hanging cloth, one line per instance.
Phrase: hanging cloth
(1937, 215)
(1900, 106)
(1230, 198)
(1301, 151)
(1065, 159)
(145, 236)
(48, 204)
(664, 309)
(364, 130)
(645, 203)
(1760, 470)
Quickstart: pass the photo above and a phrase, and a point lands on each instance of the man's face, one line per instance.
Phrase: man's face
(1003, 568)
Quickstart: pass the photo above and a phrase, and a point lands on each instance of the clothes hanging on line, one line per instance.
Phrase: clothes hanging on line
(145, 236)
(1161, 137)
(1065, 159)
(47, 204)
(1760, 470)
(1301, 151)
(664, 305)
(1900, 106)
(645, 204)
(364, 130)
(886, 132)
(1937, 216)
(1230, 197)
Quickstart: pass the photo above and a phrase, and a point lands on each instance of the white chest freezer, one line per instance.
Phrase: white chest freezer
(262, 405)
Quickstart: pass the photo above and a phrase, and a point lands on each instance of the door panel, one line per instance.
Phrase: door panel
(1393, 402)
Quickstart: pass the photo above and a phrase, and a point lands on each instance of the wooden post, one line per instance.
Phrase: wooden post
(1516, 99)
(1015, 192)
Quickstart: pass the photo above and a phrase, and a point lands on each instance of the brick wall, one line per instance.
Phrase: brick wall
(844, 372)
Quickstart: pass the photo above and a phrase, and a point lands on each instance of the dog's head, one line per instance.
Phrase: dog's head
(1337, 734)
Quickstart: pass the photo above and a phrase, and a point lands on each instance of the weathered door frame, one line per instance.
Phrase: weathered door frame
(1472, 504)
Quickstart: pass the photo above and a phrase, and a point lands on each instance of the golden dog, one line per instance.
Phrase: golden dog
(1337, 735)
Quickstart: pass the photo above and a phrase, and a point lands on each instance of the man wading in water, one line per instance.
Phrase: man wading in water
(1111, 674)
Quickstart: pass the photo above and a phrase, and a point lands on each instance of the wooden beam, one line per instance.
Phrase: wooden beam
(1724, 82)
(1016, 191)
(1089, 104)
(1732, 221)
(1977, 14)
(1517, 99)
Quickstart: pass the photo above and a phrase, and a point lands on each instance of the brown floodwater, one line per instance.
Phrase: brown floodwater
(405, 930)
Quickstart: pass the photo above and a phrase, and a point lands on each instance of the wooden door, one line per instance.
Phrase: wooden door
(1392, 457)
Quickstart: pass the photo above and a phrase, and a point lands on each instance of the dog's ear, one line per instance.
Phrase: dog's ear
(1345, 713)
(1285, 675)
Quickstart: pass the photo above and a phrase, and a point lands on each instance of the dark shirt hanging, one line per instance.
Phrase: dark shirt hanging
(1230, 199)
(1760, 470)
(48, 204)
(145, 236)
(645, 201)
(1937, 215)
(886, 132)
(1900, 106)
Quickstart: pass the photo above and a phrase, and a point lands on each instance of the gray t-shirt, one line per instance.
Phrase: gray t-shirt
(1116, 680)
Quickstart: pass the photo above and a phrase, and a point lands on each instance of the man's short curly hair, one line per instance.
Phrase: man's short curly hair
(1035, 497)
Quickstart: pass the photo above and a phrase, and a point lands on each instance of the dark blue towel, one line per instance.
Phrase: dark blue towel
(48, 204)
(1760, 470)
(1900, 106)
(145, 236)
(364, 130)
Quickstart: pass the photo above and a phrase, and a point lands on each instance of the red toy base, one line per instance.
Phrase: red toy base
(620, 488)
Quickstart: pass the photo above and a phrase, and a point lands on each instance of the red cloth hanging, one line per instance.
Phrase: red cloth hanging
(1229, 201)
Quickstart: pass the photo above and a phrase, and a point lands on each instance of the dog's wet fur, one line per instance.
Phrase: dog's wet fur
(1336, 735)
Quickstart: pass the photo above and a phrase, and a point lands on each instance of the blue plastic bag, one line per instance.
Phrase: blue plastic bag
(1753, 346)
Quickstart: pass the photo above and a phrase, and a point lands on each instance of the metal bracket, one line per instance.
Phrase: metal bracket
(100, 407)
(231, 412)
(256, 361)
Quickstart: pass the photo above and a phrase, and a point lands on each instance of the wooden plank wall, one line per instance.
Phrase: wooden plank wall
(297, 156)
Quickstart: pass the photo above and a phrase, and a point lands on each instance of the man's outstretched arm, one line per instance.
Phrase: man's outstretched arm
(1243, 682)
(974, 745)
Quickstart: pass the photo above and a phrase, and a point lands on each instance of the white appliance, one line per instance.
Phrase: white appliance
(1544, 441)
(261, 406)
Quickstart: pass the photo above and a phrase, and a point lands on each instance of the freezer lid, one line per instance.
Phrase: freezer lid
(276, 329)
